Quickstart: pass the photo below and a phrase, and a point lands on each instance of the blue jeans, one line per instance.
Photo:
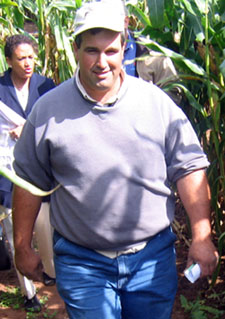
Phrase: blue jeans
(133, 286)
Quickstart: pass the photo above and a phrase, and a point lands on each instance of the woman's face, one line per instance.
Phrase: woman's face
(22, 61)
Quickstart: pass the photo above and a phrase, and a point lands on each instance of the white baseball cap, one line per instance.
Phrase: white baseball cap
(106, 14)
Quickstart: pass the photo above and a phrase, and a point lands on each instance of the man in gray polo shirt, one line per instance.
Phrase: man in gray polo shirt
(115, 144)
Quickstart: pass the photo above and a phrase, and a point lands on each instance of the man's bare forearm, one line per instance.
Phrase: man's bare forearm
(194, 192)
(195, 195)
(25, 210)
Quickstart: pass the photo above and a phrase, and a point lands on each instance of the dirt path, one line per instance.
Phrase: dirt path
(53, 306)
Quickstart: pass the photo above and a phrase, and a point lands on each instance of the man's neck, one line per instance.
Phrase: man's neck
(102, 97)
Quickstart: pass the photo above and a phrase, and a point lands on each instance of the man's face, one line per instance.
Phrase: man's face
(100, 58)
(22, 61)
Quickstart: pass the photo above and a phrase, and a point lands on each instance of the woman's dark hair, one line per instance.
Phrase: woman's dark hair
(94, 31)
(13, 42)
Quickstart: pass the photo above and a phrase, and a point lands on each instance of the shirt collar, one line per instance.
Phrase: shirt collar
(86, 96)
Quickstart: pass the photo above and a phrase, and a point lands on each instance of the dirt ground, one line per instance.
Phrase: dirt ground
(54, 306)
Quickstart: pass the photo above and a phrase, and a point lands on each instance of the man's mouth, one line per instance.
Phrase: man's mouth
(101, 74)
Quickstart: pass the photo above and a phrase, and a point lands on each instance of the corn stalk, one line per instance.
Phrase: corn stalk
(54, 22)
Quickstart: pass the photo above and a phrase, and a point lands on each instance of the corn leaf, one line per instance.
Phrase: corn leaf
(24, 184)
(156, 12)
(176, 57)
(3, 216)
(139, 14)
(7, 3)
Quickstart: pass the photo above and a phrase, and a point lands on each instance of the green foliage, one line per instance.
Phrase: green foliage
(10, 175)
(11, 298)
(55, 29)
(221, 242)
(46, 315)
(198, 310)
(156, 13)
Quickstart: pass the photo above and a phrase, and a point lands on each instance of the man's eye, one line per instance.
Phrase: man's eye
(111, 52)
(91, 50)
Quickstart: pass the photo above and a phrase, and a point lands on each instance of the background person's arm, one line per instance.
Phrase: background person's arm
(16, 132)
(25, 210)
(195, 195)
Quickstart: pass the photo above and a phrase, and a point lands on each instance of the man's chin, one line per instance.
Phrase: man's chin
(105, 84)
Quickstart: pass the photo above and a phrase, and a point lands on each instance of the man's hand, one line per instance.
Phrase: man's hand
(205, 254)
(29, 264)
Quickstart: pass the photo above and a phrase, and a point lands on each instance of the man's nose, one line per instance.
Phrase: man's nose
(102, 61)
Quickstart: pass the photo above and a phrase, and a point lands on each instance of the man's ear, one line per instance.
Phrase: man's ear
(124, 46)
(126, 22)
(75, 50)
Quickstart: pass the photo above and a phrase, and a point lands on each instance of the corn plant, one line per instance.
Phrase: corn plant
(54, 23)
(8, 25)
(198, 310)
(55, 30)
